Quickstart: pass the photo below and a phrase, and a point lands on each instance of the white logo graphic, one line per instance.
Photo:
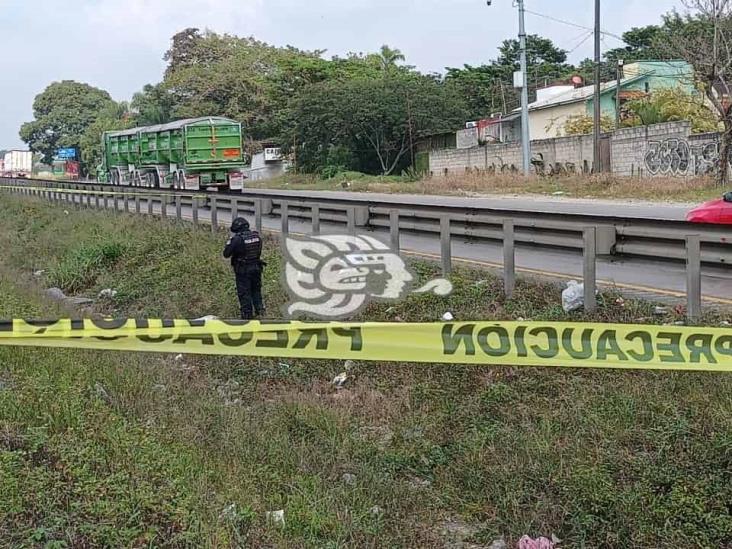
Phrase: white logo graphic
(333, 276)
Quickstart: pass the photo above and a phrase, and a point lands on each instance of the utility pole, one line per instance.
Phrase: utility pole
(525, 136)
(524, 83)
(621, 63)
(596, 102)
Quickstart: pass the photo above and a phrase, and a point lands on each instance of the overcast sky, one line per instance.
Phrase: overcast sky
(118, 45)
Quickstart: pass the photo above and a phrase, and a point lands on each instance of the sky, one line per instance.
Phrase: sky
(118, 45)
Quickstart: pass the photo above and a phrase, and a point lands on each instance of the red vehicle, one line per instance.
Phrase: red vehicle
(714, 211)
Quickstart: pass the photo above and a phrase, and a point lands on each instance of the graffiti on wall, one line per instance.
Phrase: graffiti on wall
(676, 157)
(549, 169)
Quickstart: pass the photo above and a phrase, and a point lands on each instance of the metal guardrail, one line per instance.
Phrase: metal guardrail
(593, 235)
(622, 236)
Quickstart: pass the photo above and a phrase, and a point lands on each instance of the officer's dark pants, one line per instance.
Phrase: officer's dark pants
(249, 290)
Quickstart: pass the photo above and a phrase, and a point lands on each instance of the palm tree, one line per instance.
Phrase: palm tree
(389, 58)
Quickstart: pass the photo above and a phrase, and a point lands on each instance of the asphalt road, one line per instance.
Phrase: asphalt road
(627, 208)
(647, 279)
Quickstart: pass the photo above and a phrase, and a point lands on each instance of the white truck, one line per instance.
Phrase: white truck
(18, 164)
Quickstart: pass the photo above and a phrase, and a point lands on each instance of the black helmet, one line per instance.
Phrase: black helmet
(239, 224)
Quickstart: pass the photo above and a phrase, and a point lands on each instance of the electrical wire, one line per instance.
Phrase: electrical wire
(576, 25)
(585, 39)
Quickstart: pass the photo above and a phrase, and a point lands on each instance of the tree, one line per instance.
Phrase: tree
(378, 120)
(63, 112)
(674, 104)
(389, 58)
(642, 43)
(703, 38)
(116, 116)
(489, 88)
(153, 105)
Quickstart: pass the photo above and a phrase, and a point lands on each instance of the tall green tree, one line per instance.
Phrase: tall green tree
(489, 88)
(63, 112)
(154, 104)
(377, 120)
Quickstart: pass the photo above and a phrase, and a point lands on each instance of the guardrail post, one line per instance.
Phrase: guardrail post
(285, 218)
(258, 214)
(125, 204)
(178, 207)
(509, 258)
(351, 220)
(163, 206)
(315, 218)
(137, 203)
(590, 269)
(693, 277)
(106, 200)
(96, 198)
(214, 214)
(234, 208)
(194, 210)
(394, 230)
(445, 245)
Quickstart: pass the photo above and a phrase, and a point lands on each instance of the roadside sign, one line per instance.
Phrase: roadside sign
(68, 153)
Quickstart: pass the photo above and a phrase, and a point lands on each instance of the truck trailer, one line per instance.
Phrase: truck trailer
(18, 164)
(185, 154)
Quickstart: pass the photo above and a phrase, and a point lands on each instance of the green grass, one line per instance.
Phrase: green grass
(123, 449)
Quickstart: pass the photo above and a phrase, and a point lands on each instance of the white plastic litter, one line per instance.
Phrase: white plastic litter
(207, 317)
(340, 380)
(448, 317)
(276, 517)
(349, 478)
(178, 357)
(573, 296)
(38, 273)
(108, 293)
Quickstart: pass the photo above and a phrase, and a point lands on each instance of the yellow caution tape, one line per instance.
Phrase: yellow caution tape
(505, 343)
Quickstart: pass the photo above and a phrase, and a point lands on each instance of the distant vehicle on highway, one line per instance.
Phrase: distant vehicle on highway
(186, 154)
(714, 211)
(17, 164)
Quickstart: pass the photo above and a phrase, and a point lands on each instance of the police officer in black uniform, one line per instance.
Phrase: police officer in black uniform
(245, 250)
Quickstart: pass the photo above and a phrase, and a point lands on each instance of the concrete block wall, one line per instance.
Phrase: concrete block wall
(630, 147)
(659, 150)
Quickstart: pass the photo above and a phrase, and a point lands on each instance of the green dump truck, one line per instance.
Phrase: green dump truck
(188, 154)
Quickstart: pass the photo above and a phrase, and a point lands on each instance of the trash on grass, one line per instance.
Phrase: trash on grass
(276, 517)
(108, 292)
(447, 317)
(340, 380)
(573, 296)
(660, 310)
(38, 273)
(348, 478)
(376, 510)
(207, 317)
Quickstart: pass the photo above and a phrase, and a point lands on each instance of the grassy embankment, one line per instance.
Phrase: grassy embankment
(115, 449)
(656, 189)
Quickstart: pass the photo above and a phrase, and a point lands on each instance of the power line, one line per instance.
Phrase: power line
(585, 39)
(576, 25)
